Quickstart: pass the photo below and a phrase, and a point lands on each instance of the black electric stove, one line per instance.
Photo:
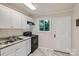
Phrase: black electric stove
(34, 40)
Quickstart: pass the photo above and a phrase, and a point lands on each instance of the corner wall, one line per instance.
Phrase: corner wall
(75, 30)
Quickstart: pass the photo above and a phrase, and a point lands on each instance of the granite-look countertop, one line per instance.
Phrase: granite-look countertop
(15, 42)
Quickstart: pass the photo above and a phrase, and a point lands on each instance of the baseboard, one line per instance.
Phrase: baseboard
(72, 52)
(45, 48)
(62, 52)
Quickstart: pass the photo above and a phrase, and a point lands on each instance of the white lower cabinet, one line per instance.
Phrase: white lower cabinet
(28, 46)
(8, 50)
(20, 49)
(11, 54)
(21, 52)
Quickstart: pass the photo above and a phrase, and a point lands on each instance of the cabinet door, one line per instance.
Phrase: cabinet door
(21, 52)
(8, 50)
(28, 45)
(24, 48)
(11, 54)
(16, 20)
(5, 20)
(24, 22)
(21, 49)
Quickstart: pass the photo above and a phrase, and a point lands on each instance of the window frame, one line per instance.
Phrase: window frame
(49, 24)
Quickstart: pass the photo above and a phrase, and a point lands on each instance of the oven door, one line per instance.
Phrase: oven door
(34, 43)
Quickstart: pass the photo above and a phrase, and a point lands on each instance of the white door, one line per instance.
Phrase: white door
(62, 33)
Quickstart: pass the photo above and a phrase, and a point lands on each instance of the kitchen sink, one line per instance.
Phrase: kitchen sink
(9, 40)
(5, 42)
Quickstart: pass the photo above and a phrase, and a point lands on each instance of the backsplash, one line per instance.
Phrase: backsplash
(10, 32)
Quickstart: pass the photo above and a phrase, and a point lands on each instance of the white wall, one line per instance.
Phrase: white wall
(46, 39)
(75, 30)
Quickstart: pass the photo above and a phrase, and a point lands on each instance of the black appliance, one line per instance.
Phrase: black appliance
(28, 33)
(34, 40)
(30, 23)
(77, 22)
(34, 43)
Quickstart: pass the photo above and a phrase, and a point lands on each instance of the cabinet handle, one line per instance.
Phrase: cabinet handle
(54, 35)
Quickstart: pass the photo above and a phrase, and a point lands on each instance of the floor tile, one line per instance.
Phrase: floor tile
(47, 52)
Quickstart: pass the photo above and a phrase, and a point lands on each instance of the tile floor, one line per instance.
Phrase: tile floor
(47, 52)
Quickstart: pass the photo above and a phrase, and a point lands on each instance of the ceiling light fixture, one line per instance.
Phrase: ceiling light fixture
(30, 5)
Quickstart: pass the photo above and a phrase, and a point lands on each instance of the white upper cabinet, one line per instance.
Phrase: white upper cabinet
(10, 18)
(16, 20)
(5, 20)
(24, 22)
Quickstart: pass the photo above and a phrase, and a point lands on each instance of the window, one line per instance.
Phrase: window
(44, 25)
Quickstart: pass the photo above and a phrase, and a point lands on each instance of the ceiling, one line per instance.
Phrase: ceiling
(43, 9)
